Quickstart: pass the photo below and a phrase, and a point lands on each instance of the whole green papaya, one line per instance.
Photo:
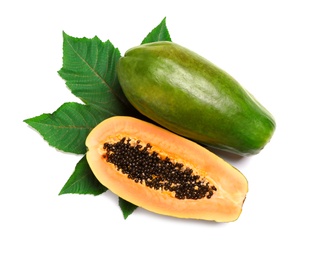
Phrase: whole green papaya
(192, 97)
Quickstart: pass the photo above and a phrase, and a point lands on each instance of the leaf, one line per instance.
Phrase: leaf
(159, 33)
(126, 207)
(83, 181)
(89, 69)
(67, 128)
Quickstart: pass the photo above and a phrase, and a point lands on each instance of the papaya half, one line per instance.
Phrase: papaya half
(187, 94)
(163, 172)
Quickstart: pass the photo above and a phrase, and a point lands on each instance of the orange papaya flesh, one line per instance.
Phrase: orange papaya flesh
(164, 173)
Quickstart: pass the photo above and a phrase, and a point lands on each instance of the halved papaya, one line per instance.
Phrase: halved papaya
(164, 173)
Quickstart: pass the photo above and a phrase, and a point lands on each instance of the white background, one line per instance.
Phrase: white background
(268, 46)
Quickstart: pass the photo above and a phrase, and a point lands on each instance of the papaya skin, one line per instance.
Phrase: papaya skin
(187, 94)
(224, 206)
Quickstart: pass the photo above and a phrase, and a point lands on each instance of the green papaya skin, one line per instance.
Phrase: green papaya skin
(187, 94)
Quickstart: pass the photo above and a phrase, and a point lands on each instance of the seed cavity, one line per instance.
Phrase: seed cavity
(147, 167)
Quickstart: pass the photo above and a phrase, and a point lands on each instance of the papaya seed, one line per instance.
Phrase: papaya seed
(150, 169)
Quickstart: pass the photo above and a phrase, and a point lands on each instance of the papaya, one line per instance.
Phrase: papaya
(187, 94)
(163, 172)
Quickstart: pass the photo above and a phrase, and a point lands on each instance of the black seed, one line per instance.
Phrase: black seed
(149, 169)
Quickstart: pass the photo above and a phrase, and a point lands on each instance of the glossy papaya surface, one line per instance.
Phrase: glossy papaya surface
(187, 94)
(163, 172)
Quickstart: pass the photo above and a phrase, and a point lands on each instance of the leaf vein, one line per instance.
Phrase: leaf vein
(96, 73)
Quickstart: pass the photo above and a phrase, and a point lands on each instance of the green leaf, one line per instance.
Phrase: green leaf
(83, 181)
(126, 207)
(89, 69)
(67, 128)
(159, 33)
